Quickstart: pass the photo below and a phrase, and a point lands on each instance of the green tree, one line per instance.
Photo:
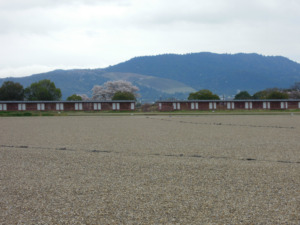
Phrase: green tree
(271, 93)
(243, 95)
(203, 94)
(261, 95)
(278, 95)
(11, 91)
(42, 90)
(123, 95)
(74, 97)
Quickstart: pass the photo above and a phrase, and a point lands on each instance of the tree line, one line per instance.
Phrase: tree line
(45, 90)
(270, 93)
(273, 93)
(41, 90)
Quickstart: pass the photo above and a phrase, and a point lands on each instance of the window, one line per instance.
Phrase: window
(299, 105)
(248, 105)
(266, 105)
(192, 105)
(174, 106)
(40, 106)
(283, 105)
(228, 105)
(21, 107)
(78, 106)
(213, 105)
(59, 106)
(116, 106)
(159, 106)
(97, 106)
(132, 106)
(3, 107)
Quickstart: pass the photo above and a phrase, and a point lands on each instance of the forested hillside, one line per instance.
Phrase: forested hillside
(222, 73)
(175, 76)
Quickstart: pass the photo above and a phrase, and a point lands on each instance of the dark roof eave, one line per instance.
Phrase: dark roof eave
(239, 100)
(113, 101)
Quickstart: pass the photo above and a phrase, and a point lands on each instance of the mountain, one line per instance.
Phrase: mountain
(221, 73)
(170, 75)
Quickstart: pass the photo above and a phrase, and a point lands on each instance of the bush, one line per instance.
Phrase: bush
(123, 96)
(203, 94)
(278, 95)
(243, 95)
(74, 97)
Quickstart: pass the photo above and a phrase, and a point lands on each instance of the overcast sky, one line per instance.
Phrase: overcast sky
(43, 35)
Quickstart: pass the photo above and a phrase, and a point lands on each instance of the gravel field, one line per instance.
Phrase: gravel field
(209, 169)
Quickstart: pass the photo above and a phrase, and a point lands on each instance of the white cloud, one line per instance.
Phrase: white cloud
(93, 33)
(29, 4)
(24, 71)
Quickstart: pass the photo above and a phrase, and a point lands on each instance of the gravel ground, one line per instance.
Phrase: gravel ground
(150, 170)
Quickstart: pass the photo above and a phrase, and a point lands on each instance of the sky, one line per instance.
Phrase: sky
(43, 35)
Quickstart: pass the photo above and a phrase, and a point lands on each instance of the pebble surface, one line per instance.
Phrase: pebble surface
(150, 170)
